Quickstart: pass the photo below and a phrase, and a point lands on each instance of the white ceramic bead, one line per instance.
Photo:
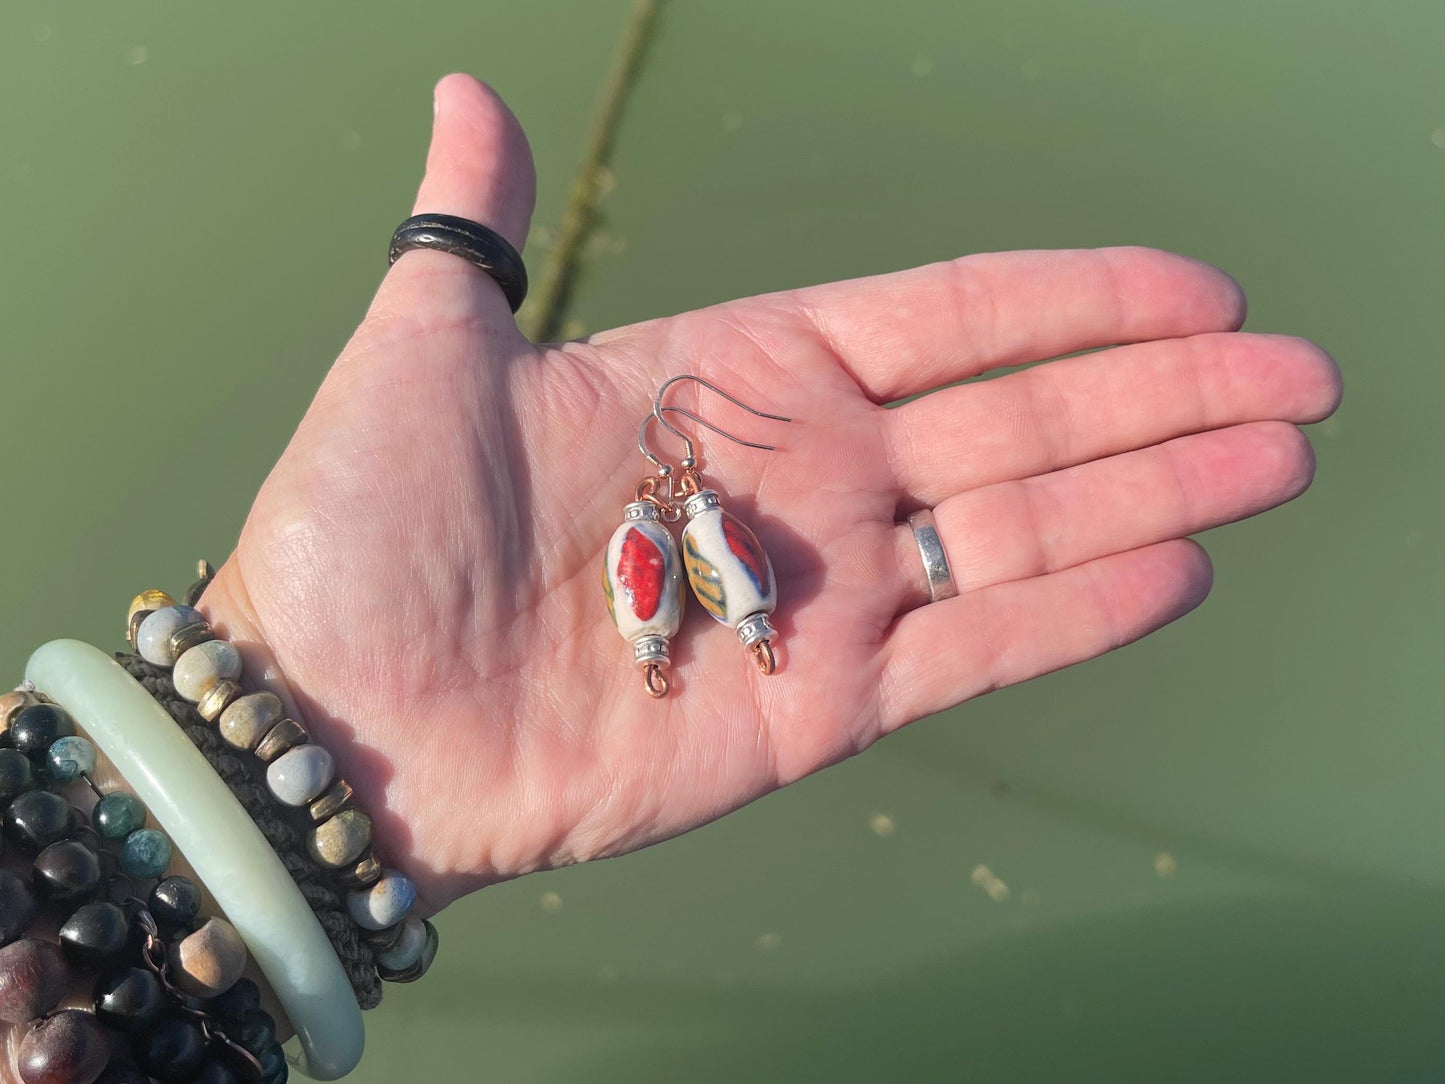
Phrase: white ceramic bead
(383, 904)
(642, 578)
(726, 565)
(408, 947)
(300, 774)
(204, 665)
(153, 638)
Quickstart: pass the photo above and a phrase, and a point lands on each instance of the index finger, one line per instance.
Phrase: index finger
(912, 331)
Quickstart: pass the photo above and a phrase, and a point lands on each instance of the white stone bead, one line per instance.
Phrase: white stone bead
(643, 580)
(729, 571)
(383, 904)
(153, 638)
(204, 665)
(300, 774)
(408, 947)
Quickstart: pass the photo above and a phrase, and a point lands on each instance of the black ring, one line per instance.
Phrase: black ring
(471, 241)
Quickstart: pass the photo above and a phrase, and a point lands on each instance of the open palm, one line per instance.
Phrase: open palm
(423, 564)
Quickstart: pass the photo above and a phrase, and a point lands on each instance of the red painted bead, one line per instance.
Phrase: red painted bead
(641, 569)
(749, 552)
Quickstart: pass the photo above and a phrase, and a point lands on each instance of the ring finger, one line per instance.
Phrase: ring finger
(1020, 529)
(1082, 408)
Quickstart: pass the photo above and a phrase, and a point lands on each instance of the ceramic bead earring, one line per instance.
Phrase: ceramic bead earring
(727, 567)
(642, 573)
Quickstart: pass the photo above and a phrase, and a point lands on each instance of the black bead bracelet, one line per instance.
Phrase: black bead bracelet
(169, 1002)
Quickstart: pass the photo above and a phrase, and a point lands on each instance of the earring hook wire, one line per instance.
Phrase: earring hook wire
(710, 386)
(664, 470)
(658, 410)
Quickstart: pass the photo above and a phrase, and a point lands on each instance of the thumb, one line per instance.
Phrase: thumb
(479, 166)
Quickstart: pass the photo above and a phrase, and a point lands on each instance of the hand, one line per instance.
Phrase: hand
(423, 563)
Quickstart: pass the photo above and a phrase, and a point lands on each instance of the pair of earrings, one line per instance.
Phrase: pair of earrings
(726, 566)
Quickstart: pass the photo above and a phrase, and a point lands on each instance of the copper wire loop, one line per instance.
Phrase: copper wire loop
(153, 955)
(666, 506)
(764, 657)
(647, 491)
(655, 681)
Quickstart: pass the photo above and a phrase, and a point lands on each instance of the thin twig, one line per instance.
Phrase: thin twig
(542, 317)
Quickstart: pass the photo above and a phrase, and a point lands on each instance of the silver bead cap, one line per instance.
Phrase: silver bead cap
(702, 501)
(754, 628)
(635, 510)
(650, 651)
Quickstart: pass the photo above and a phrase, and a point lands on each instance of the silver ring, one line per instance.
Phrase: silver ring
(935, 561)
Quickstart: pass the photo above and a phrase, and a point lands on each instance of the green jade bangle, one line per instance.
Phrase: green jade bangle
(222, 844)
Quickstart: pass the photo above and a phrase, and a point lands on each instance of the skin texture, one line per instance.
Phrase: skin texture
(420, 572)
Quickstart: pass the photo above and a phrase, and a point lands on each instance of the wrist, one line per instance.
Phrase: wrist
(293, 668)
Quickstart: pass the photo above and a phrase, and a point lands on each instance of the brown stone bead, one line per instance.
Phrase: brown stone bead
(33, 979)
(330, 803)
(285, 735)
(67, 1048)
(188, 636)
(245, 722)
(338, 842)
(217, 699)
(208, 962)
(363, 873)
(12, 704)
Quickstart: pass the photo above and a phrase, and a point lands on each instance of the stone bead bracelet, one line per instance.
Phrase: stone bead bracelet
(299, 774)
(168, 991)
(283, 828)
(44, 731)
(222, 843)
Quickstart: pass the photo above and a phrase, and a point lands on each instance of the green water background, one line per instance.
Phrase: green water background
(1220, 849)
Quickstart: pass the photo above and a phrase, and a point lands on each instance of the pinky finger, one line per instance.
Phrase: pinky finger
(947, 652)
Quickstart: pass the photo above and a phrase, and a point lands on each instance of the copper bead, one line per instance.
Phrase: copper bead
(287, 734)
(330, 803)
(218, 698)
(188, 636)
(363, 873)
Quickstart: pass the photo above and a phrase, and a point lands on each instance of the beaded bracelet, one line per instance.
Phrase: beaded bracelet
(173, 987)
(224, 846)
(285, 834)
(299, 774)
